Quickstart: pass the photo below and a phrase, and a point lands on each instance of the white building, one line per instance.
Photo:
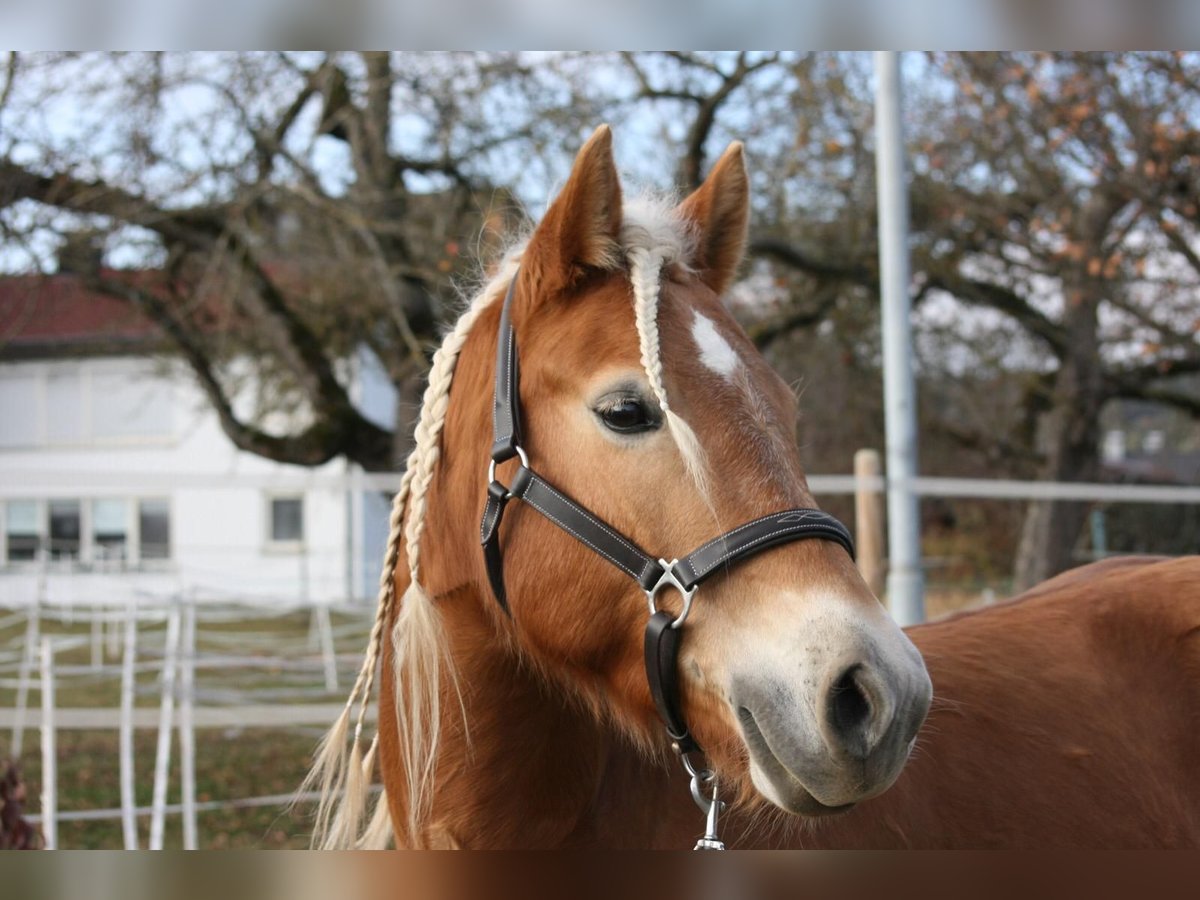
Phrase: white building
(116, 479)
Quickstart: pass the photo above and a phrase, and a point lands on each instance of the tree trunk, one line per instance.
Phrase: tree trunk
(1069, 439)
(1069, 432)
(1051, 527)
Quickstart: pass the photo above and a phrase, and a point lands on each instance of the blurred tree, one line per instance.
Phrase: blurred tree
(320, 202)
(283, 210)
(1059, 190)
(1055, 196)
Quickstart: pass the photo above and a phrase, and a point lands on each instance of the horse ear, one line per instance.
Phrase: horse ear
(719, 211)
(581, 229)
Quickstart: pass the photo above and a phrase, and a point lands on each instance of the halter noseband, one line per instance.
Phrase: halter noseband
(652, 575)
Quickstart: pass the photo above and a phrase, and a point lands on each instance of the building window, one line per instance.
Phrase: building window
(130, 405)
(154, 529)
(121, 530)
(65, 529)
(23, 534)
(20, 406)
(67, 403)
(64, 406)
(287, 520)
(110, 527)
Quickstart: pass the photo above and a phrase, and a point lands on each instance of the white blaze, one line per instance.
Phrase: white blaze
(715, 351)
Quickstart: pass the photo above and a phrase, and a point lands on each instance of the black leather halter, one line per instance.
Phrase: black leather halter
(652, 575)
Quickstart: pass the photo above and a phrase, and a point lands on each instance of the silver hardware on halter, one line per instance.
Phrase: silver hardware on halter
(712, 807)
(492, 465)
(669, 577)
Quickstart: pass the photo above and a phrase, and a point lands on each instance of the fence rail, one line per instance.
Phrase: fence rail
(259, 715)
(162, 638)
(1006, 489)
(70, 484)
(101, 815)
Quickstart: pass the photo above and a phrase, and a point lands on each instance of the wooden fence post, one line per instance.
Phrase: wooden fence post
(869, 519)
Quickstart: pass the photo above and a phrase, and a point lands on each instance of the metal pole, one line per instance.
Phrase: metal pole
(187, 733)
(49, 750)
(24, 676)
(905, 581)
(1099, 534)
(328, 654)
(98, 639)
(125, 740)
(166, 714)
(112, 638)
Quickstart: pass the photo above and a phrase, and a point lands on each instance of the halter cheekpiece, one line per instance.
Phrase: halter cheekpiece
(663, 629)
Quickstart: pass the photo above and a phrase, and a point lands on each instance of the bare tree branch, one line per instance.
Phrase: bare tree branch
(766, 333)
(1157, 369)
(1187, 402)
(353, 436)
(790, 255)
(1001, 299)
(193, 225)
(995, 448)
(692, 167)
(296, 343)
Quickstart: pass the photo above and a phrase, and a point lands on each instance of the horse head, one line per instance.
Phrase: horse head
(644, 401)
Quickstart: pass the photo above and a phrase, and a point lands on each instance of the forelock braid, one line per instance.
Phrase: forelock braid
(645, 273)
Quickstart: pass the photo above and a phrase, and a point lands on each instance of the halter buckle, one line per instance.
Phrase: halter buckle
(491, 476)
(668, 577)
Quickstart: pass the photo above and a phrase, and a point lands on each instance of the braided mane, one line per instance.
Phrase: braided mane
(652, 236)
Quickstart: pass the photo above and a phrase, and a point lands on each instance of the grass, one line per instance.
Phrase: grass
(278, 639)
(230, 763)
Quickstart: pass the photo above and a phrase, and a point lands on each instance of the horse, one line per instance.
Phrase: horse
(1066, 718)
(531, 722)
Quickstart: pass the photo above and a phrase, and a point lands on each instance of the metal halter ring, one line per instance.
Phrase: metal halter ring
(703, 773)
(492, 464)
(699, 780)
(669, 577)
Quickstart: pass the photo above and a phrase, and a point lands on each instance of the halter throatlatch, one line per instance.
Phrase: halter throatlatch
(663, 630)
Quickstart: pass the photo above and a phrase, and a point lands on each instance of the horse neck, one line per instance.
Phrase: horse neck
(526, 765)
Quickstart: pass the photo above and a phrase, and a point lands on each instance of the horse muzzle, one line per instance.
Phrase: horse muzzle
(837, 732)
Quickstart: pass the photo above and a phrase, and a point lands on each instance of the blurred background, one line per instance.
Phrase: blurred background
(222, 277)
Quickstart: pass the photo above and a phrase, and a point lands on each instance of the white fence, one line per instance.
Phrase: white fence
(161, 637)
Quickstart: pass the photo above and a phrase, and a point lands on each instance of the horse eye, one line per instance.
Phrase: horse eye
(627, 415)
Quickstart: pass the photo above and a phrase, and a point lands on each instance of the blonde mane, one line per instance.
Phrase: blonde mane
(652, 236)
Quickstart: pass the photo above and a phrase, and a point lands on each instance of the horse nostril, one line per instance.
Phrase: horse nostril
(849, 712)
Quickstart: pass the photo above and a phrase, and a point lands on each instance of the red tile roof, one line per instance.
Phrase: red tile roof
(60, 310)
(59, 315)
